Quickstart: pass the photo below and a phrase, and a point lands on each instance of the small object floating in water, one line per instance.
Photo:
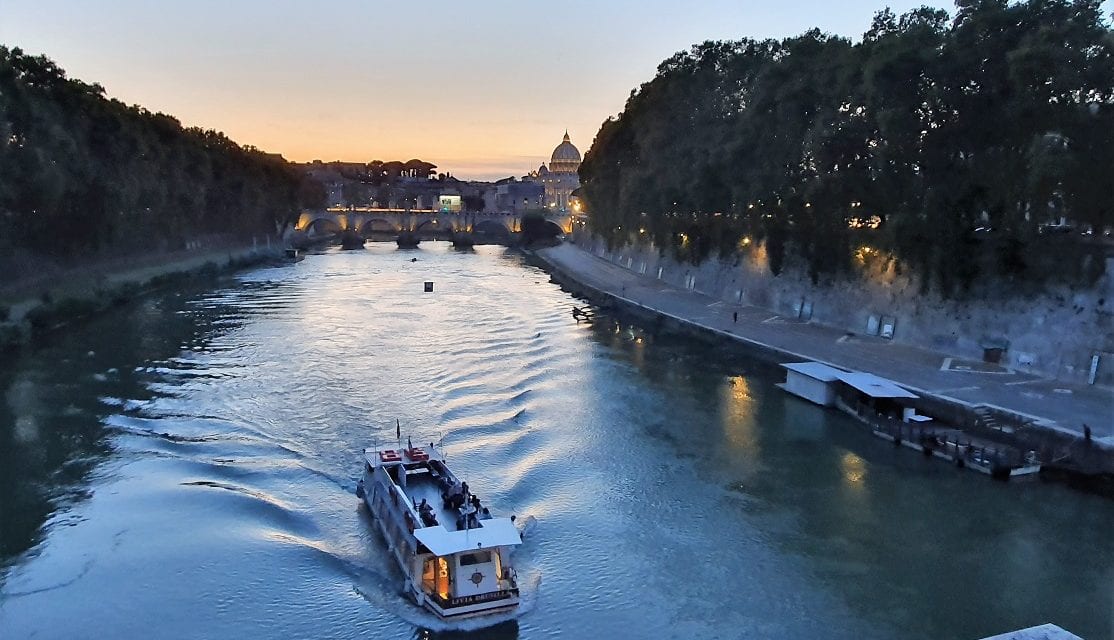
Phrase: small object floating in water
(454, 553)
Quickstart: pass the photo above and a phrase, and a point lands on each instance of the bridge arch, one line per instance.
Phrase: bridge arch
(381, 225)
(436, 224)
(320, 225)
(491, 228)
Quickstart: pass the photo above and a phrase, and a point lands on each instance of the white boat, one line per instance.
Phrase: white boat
(454, 553)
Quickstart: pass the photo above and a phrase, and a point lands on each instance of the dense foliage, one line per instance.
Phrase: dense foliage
(80, 173)
(1000, 120)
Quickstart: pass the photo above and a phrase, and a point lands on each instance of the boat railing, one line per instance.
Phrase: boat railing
(378, 443)
(951, 443)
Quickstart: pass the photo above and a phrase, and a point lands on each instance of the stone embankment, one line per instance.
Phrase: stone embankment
(1053, 330)
(32, 305)
(1015, 407)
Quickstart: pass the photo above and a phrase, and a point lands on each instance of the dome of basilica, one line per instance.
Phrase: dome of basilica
(565, 157)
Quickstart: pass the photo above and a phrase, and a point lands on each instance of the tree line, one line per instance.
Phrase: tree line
(932, 140)
(81, 173)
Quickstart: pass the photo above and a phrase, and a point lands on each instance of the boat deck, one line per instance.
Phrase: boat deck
(427, 485)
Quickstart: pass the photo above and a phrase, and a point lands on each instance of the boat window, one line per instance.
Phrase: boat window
(479, 557)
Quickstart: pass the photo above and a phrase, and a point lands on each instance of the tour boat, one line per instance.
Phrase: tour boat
(454, 552)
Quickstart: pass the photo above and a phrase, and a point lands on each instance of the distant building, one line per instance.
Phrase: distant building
(511, 196)
(560, 178)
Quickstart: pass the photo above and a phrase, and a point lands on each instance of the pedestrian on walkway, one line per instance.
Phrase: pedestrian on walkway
(734, 316)
(1086, 434)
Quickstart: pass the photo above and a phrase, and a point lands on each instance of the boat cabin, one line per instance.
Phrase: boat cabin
(858, 391)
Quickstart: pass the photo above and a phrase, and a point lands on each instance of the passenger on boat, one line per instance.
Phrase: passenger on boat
(454, 497)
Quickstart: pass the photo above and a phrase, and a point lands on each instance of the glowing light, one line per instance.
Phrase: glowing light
(864, 253)
(873, 222)
(739, 421)
(443, 578)
(854, 469)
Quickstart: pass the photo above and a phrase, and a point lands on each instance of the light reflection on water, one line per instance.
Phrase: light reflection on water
(184, 467)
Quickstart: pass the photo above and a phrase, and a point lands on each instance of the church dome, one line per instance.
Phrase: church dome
(565, 156)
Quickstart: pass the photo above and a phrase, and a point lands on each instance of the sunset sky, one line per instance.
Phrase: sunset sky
(483, 89)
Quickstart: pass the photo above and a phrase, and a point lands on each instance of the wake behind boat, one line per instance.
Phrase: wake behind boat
(454, 553)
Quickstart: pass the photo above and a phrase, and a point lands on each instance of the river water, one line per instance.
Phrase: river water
(184, 467)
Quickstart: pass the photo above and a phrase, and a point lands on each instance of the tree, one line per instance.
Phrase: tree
(905, 142)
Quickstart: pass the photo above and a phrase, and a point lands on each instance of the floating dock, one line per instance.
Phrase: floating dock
(890, 412)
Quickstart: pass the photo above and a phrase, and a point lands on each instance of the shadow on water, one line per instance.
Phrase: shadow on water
(503, 631)
(52, 433)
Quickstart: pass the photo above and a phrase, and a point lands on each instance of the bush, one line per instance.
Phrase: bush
(47, 316)
(10, 337)
(125, 293)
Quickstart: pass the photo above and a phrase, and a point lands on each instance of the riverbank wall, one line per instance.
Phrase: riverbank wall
(1062, 332)
(1085, 464)
(32, 307)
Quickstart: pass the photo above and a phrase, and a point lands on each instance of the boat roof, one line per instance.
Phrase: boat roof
(1043, 632)
(495, 532)
(867, 383)
(817, 370)
(874, 386)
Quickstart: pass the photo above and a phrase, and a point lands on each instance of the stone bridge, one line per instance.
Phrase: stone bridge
(366, 222)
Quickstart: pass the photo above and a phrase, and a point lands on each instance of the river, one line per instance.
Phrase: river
(184, 467)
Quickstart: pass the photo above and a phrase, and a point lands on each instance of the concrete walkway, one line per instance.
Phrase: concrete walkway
(1048, 403)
